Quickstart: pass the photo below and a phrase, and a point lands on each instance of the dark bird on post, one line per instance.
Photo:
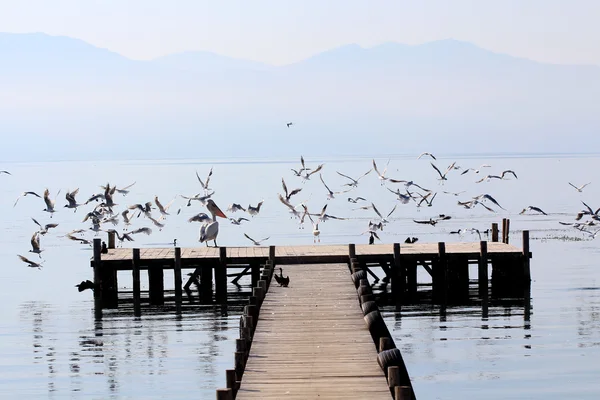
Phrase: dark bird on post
(104, 249)
(87, 284)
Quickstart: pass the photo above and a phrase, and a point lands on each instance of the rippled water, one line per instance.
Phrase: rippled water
(52, 347)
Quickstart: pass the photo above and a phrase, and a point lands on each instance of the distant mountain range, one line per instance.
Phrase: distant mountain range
(444, 96)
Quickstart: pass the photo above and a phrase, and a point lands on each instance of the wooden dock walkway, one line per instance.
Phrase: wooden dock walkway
(311, 341)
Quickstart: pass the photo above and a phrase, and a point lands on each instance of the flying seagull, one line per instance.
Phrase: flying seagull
(427, 154)
(579, 188)
(256, 242)
(532, 208)
(32, 264)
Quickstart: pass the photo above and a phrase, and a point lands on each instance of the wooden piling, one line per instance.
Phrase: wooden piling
(111, 240)
(506, 238)
(526, 276)
(385, 343)
(494, 232)
(206, 283)
(393, 376)
(110, 294)
(98, 278)
(440, 276)
(231, 379)
(403, 393)
(135, 271)
(240, 363)
(398, 278)
(351, 256)
(272, 255)
(225, 394)
(156, 286)
(177, 279)
(221, 277)
(255, 272)
(503, 230)
(483, 277)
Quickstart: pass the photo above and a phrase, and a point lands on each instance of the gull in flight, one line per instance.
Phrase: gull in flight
(299, 172)
(381, 175)
(25, 194)
(532, 208)
(255, 210)
(316, 232)
(238, 221)
(426, 199)
(49, 202)
(433, 221)
(488, 178)
(330, 193)
(126, 219)
(289, 124)
(383, 220)
(201, 199)
(403, 198)
(293, 210)
(200, 217)
(443, 176)
(35, 244)
(356, 199)
(124, 191)
(163, 209)
(32, 264)
(508, 171)
(427, 154)
(288, 195)
(44, 229)
(354, 182)
(205, 184)
(307, 175)
(256, 242)
(476, 170)
(72, 203)
(579, 188)
(235, 207)
(486, 196)
(5, 172)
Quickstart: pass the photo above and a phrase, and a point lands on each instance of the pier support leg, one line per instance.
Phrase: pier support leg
(111, 240)
(254, 273)
(97, 278)
(411, 281)
(206, 284)
(156, 286)
(457, 280)
(440, 271)
(110, 295)
(482, 277)
(177, 280)
(495, 232)
(398, 279)
(221, 277)
(135, 271)
(526, 276)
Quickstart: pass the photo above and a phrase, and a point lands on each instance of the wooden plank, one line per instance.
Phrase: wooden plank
(311, 341)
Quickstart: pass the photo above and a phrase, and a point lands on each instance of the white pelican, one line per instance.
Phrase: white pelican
(209, 231)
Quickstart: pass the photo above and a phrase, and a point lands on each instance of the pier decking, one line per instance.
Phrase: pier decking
(311, 341)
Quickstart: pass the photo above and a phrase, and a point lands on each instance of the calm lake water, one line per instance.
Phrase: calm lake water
(51, 346)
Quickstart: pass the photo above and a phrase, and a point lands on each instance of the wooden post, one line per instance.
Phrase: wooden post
(526, 275)
(255, 272)
(440, 287)
(495, 232)
(393, 376)
(259, 294)
(506, 240)
(206, 283)
(97, 278)
(110, 294)
(221, 277)
(402, 393)
(503, 230)
(231, 380)
(135, 271)
(251, 311)
(483, 277)
(156, 285)
(224, 394)
(272, 255)
(385, 343)
(398, 277)
(241, 345)
(178, 281)
(111, 240)
(351, 256)
(240, 363)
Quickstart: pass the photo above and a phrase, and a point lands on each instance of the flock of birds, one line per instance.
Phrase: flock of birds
(103, 214)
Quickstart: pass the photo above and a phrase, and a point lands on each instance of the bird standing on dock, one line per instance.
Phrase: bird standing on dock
(283, 280)
(210, 230)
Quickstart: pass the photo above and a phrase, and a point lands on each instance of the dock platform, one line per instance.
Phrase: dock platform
(311, 341)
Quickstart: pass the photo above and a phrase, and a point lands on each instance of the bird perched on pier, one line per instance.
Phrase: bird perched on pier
(283, 280)
(87, 284)
(210, 230)
(31, 264)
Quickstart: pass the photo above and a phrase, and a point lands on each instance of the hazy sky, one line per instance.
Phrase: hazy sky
(281, 31)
